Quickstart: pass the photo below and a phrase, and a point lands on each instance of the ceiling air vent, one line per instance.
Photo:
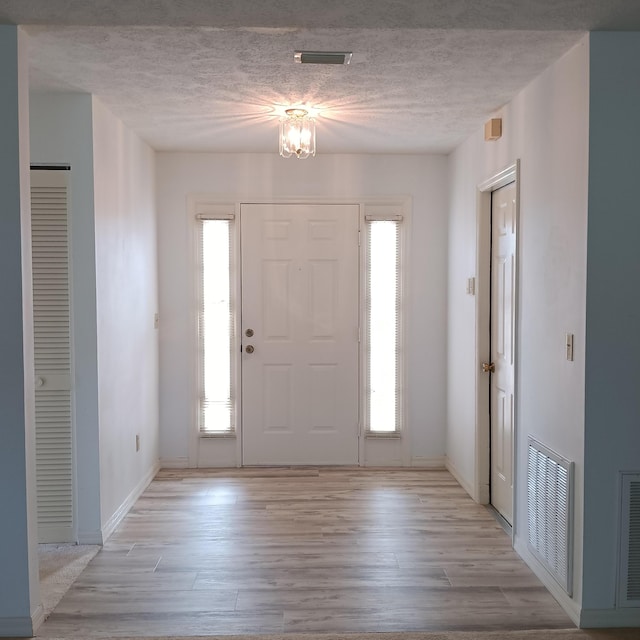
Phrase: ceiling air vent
(322, 57)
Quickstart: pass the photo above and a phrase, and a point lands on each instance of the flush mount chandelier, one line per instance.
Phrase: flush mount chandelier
(297, 134)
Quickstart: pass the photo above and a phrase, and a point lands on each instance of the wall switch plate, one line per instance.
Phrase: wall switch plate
(569, 346)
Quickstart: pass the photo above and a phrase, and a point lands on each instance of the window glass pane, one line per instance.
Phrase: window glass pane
(216, 327)
(383, 276)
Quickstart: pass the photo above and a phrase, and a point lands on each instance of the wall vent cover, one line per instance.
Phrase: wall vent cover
(629, 569)
(550, 511)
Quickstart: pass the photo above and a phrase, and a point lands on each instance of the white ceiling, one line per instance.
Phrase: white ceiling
(213, 76)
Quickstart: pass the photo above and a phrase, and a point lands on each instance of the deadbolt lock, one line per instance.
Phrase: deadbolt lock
(249, 333)
(488, 367)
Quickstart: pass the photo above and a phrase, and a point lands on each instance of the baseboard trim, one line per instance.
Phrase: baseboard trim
(610, 618)
(37, 618)
(450, 467)
(571, 607)
(174, 463)
(427, 463)
(22, 627)
(125, 507)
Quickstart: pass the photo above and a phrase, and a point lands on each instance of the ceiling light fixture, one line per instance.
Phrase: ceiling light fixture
(322, 57)
(297, 134)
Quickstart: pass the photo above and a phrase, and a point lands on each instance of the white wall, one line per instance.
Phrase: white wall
(62, 133)
(126, 293)
(547, 127)
(234, 177)
(20, 610)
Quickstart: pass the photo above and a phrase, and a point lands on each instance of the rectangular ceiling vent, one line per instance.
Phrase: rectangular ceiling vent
(550, 507)
(323, 57)
(629, 570)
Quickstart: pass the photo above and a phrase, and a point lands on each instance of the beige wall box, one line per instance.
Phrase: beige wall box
(493, 129)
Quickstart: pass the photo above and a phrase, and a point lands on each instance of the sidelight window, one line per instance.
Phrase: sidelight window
(383, 323)
(215, 326)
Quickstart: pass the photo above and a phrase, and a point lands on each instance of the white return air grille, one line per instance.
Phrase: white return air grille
(629, 572)
(550, 506)
(52, 355)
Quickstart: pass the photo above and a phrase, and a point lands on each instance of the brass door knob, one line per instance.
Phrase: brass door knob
(249, 348)
(488, 367)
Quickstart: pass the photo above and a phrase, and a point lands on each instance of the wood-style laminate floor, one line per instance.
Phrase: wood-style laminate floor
(304, 550)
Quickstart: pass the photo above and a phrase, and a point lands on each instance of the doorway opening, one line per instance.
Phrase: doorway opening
(496, 312)
(53, 361)
(290, 335)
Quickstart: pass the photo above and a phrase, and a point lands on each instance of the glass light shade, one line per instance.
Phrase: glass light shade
(297, 134)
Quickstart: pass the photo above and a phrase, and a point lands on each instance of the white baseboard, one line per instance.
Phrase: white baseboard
(610, 618)
(174, 463)
(571, 607)
(37, 618)
(125, 507)
(459, 477)
(17, 627)
(24, 627)
(427, 463)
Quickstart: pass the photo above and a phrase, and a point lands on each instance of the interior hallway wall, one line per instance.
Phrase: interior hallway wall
(127, 301)
(62, 133)
(114, 298)
(233, 177)
(547, 127)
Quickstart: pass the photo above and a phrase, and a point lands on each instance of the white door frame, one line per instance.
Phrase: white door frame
(226, 451)
(503, 177)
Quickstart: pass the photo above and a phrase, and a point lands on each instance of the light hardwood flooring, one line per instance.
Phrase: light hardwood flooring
(304, 550)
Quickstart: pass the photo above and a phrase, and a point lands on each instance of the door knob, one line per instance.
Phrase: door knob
(39, 382)
(249, 348)
(488, 367)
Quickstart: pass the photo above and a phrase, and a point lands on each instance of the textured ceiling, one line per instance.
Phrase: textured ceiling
(213, 76)
(581, 15)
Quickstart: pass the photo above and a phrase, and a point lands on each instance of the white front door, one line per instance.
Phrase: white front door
(300, 317)
(503, 283)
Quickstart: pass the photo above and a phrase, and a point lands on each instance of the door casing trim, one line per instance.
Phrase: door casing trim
(395, 451)
(505, 176)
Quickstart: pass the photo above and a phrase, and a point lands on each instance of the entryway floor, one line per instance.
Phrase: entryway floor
(304, 550)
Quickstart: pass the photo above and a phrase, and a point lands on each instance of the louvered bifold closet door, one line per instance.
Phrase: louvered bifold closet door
(52, 342)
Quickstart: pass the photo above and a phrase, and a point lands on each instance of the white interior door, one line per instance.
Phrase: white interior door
(52, 353)
(300, 303)
(503, 283)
